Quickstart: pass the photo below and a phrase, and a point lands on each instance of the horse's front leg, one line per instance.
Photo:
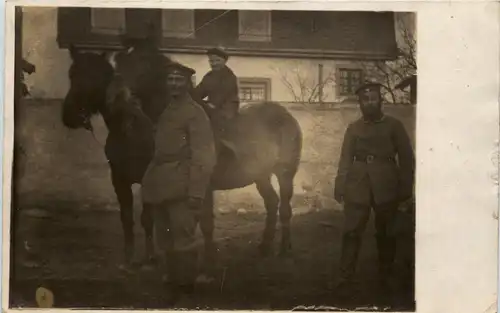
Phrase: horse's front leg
(207, 228)
(123, 190)
(147, 223)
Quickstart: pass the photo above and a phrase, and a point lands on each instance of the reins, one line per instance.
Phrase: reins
(90, 128)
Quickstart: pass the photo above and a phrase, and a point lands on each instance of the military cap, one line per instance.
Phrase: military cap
(177, 68)
(218, 51)
(368, 86)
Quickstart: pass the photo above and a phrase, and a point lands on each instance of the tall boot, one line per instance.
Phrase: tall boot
(184, 271)
(168, 269)
(386, 246)
(185, 267)
(349, 258)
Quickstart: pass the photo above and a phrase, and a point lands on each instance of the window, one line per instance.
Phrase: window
(109, 21)
(254, 89)
(178, 23)
(350, 79)
(254, 25)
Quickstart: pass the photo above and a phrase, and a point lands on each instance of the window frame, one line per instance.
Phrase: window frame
(258, 38)
(340, 85)
(266, 83)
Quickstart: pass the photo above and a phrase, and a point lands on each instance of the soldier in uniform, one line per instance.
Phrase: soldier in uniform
(220, 87)
(177, 178)
(376, 171)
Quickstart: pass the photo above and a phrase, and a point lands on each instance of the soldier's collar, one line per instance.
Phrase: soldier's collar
(175, 102)
(381, 119)
(221, 69)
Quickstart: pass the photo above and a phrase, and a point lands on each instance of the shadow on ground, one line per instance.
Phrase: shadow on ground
(80, 251)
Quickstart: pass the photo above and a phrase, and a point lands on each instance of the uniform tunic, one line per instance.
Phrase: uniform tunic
(184, 154)
(221, 89)
(384, 179)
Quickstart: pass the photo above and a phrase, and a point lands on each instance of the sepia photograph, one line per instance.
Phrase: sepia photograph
(213, 159)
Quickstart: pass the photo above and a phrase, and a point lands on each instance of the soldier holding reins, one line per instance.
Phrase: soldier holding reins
(176, 182)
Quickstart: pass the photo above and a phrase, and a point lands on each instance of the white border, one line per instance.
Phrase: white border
(457, 130)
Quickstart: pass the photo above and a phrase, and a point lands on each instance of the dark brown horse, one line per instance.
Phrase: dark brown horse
(267, 139)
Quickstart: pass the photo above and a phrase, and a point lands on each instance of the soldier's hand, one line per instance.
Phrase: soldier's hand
(405, 205)
(195, 203)
(211, 106)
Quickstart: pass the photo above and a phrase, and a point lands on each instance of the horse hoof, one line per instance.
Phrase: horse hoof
(148, 267)
(204, 279)
(31, 264)
(125, 269)
(285, 252)
(150, 262)
(128, 268)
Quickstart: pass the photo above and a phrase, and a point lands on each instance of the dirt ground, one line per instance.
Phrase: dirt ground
(69, 218)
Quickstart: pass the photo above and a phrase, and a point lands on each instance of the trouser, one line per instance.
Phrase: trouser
(219, 133)
(223, 128)
(175, 229)
(356, 218)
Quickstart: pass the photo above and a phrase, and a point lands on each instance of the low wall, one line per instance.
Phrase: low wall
(70, 165)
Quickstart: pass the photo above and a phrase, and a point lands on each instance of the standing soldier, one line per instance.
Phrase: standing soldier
(220, 87)
(376, 170)
(177, 179)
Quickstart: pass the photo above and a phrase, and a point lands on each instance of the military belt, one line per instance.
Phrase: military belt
(372, 158)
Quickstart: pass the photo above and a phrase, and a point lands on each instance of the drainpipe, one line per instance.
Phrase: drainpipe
(320, 82)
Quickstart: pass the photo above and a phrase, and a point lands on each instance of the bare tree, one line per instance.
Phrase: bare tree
(309, 84)
(390, 73)
(303, 81)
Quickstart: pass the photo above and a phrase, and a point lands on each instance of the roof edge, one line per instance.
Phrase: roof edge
(253, 52)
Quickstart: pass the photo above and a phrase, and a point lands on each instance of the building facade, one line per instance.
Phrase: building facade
(285, 56)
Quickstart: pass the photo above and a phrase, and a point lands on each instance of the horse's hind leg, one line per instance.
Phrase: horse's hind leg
(124, 194)
(271, 202)
(285, 180)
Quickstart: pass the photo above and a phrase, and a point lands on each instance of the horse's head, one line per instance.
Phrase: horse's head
(89, 75)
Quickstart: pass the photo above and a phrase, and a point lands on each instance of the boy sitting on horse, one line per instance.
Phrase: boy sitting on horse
(220, 88)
